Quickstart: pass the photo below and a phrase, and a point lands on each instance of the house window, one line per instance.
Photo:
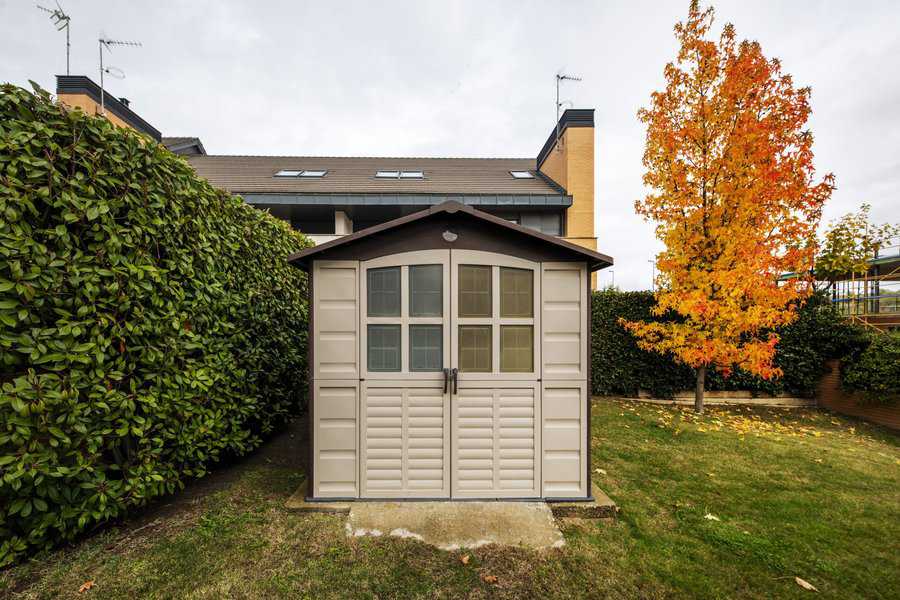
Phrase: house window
(300, 173)
(522, 174)
(549, 223)
(400, 175)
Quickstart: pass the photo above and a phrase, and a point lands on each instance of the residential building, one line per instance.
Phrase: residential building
(328, 197)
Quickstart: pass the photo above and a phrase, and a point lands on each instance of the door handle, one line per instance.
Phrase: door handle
(446, 378)
(455, 374)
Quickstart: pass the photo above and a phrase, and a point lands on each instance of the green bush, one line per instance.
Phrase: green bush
(149, 324)
(619, 367)
(876, 370)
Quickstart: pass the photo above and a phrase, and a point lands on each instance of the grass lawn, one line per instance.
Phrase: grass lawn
(735, 504)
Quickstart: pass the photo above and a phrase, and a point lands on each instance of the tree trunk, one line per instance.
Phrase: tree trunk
(701, 384)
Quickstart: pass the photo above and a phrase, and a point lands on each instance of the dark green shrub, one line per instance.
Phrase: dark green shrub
(876, 370)
(149, 324)
(619, 367)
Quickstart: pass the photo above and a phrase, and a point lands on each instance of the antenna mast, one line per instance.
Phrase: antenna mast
(108, 44)
(560, 77)
(61, 20)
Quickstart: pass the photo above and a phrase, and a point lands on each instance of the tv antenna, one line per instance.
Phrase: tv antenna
(560, 77)
(61, 21)
(111, 71)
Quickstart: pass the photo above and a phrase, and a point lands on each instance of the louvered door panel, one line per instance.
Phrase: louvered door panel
(404, 441)
(496, 441)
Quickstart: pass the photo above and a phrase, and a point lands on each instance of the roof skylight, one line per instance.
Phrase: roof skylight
(400, 175)
(522, 174)
(296, 173)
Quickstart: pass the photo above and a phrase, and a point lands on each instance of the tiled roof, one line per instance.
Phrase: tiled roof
(255, 174)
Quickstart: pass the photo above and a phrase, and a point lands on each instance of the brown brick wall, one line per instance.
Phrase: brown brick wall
(832, 397)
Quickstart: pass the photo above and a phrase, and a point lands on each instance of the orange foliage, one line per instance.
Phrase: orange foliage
(731, 171)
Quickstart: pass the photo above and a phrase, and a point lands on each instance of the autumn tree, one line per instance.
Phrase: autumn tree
(729, 166)
(849, 244)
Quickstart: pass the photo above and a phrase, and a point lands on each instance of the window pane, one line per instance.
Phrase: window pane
(426, 348)
(516, 292)
(384, 292)
(516, 348)
(383, 350)
(549, 223)
(474, 291)
(426, 297)
(475, 348)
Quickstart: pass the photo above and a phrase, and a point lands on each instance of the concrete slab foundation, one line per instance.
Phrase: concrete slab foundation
(455, 525)
(458, 525)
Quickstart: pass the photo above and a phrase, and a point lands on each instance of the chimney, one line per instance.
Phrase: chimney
(79, 91)
(569, 162)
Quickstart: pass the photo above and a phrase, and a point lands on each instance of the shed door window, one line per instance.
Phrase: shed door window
(384, 292)
(516, 292)
(426, 349)
(474, 291)
(496, 313)
(407, 316)
(384, 347)
(475, 348)
(426, 290)
(516, 348)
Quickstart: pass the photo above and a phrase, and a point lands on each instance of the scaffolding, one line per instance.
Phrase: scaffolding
(872, 298)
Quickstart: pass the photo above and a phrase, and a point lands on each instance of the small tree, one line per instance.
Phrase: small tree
(731, 172)
(849, 244)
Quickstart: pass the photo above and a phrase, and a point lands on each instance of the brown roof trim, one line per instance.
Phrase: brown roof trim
(595, 260)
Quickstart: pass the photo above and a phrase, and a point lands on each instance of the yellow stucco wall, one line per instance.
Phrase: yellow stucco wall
(87, 104)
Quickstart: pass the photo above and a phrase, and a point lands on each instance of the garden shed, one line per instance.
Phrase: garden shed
(449, 359)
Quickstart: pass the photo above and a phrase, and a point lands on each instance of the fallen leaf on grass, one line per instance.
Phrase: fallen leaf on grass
(711, 517)
(489, 578)
(805, 584)
(86, 586)
(464, 559)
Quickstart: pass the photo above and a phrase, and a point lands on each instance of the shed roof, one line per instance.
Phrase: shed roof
(595, 260)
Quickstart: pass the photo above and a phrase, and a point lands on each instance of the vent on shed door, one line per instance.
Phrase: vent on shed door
(495, 442)
(404, 442)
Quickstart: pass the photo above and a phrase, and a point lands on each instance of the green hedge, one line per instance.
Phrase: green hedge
(149, 324)
(619, 367)
(875, 371)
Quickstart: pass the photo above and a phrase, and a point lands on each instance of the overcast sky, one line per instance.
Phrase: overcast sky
(469, 79)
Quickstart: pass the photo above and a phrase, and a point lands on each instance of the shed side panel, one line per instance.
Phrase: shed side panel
(564, 416)
(334, 444)
(564, 362)
(563, 309)
(336, 320)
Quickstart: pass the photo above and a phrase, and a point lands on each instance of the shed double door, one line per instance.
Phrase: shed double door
(450, 392)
